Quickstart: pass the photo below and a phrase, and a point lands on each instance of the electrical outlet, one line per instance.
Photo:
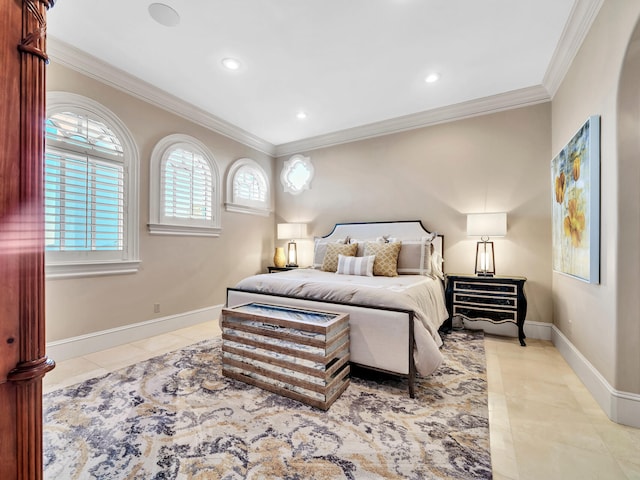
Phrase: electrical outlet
(156, 308)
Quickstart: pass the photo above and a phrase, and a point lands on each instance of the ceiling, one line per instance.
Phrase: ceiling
(355, 67)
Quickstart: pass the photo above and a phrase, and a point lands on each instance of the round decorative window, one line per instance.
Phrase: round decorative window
(296, 174)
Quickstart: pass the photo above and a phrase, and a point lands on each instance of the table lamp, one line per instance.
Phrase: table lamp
(485, 225)
(292, 231)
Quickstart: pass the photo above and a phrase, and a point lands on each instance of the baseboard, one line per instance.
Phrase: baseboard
(72, 347)
(620, 407)
(538, 330)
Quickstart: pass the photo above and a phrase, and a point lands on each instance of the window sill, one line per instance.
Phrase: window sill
(90, 269)
(166, 229)
(237, 208)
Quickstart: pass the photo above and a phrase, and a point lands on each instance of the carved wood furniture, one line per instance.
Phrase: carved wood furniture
(496, 299)
(22, 340)
(298, 353)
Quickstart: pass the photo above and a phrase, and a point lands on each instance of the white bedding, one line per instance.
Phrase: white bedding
(420, 294)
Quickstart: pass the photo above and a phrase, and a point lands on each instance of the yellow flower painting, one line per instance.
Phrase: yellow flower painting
(560, 188)
(574, 223)
(575, 181)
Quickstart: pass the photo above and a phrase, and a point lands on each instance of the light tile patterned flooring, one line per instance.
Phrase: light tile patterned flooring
(544, 423)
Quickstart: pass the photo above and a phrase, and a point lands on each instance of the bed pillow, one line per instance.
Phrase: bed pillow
(356, 265)
(386, 261)
(320, 249)
(330, 262)
(436, 265)
(361, 243)
(415, 256)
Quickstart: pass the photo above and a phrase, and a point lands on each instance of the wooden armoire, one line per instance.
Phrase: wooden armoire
(23, 362)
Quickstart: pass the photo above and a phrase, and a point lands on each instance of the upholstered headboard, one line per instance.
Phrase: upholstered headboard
(403, 230)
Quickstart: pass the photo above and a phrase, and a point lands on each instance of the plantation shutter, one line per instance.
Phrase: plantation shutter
(187, 187)
(249, 185)
(84, 185)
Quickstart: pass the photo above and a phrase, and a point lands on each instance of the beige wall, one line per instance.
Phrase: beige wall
(602, 320)
(180, 273)
(628, 332)
(438, 174)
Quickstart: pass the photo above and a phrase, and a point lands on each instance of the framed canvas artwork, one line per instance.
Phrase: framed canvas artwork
(575, 183)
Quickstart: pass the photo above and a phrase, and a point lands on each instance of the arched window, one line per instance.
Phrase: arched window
(185, 185)
(90, 189)
(296, 175)
(248, 188)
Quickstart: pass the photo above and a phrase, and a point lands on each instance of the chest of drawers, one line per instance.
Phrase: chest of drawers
(496, 299)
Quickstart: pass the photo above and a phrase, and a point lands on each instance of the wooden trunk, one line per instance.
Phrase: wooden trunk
(299, 353)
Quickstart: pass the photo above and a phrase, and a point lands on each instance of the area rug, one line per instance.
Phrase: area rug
(176, 417)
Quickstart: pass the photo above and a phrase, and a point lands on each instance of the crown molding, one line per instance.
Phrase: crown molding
(472, 108)
(581, 18)
(64, 54)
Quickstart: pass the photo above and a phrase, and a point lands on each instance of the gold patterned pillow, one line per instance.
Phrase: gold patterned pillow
(330, 262)
(386, 262)
(320, 249)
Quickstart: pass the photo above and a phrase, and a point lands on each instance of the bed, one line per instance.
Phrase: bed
(394, 319)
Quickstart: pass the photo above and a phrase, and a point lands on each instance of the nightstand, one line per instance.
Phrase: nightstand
(280, 269)
(497, 299)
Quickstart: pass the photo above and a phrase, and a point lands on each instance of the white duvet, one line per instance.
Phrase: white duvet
(420, 294)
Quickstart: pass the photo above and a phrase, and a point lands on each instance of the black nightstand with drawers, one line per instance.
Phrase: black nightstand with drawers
(496, 299)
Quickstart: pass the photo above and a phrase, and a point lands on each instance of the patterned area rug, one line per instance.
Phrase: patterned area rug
(176, 417)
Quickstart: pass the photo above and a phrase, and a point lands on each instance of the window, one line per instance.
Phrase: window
(248, 188)
(90, 194)
(296, 174)
(184, 188)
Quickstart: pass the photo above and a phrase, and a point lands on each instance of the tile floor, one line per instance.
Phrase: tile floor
(544, 423)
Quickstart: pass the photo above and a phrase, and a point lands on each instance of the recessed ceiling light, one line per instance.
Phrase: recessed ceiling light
(231, 63)
(164, 14)
(434, 77)
(301, 115)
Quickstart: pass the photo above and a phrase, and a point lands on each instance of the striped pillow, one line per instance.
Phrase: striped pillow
(330, 262)
(356, 265)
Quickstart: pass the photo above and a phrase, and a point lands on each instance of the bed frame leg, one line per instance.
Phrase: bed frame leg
(412, 360)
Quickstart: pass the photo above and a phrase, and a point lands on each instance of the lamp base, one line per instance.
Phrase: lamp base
(292, 254)
(485, 263)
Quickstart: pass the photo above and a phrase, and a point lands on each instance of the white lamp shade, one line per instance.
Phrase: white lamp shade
(291, 231)
(486, 224)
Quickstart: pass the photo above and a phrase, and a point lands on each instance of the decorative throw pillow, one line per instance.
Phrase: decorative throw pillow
(356, 265)
(330, 263)
(415, 256)
(386, 262)
(320, 249)
(361, 243)
(436, 265)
